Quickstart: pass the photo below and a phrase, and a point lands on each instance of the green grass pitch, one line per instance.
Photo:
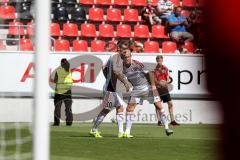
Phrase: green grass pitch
(189, 142)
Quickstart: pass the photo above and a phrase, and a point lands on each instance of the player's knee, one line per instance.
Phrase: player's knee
(130, 108)
(170, 104)
(158, 105)
(120, 109)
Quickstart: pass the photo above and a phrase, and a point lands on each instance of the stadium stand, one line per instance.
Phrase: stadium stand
(114, 15)
(97, 46)
(88, 30)
(62, 45)
(131, 15)
(169, 47)
(55, 30)
(189, 46)
(138, 2)
(124, 31)
(80, 46)
(96, 14)
(84, 22)
(70, 30)
(78, 15)
(104, 2)
(176, 2)
(141, 31)
(7, 12)
(189, 3)
(30, 29)
(106, 30)
(26, 45)
(121, 2)
(87, 2)
(16, 28)
(159, 31)
(151, 47)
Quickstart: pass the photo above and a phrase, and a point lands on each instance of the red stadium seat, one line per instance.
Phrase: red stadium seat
(185, 13)
(2, 46)
(26, 45)
(189, 46)
(30, 29)
(114, 14)
(97, 46)
(176, 2)
(80, 46)
(124, 31)
(169, 47)
(106, 30)
(96, 14)
(121, 2)
(141, 31)
(131, 15)
(155, 2)
(189, 3)
(139, 2)
(55, 29)
(16, 28)
(87, 2)
(88, 30)
(7, 12)
(70, 29)
(151, 47)
(62, 45)
(104, 2)
(159, 31)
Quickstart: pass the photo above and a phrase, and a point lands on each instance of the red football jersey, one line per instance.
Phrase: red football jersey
(161, 73)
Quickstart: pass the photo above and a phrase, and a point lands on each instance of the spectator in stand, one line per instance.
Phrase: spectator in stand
(177, 25)
(165, 9)
(149, 14)
(138, 47)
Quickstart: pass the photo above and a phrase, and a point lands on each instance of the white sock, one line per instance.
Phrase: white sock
(164, 120)
(98, 121)
(129, 120)
(119, 117)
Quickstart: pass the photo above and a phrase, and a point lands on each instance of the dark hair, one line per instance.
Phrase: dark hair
(176, 7)
(159, 57)
(65, 64)
(129, 44)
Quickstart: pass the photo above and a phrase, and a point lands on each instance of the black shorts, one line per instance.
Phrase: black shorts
(166, 98)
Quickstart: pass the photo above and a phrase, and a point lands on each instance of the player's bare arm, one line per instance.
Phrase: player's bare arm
(152, 83)
(122, 79)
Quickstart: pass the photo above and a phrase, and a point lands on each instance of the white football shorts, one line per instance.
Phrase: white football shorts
(111, 100)
(141, 93)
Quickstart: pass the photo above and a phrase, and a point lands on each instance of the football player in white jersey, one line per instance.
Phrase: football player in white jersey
(142, 90)
(112, 99)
